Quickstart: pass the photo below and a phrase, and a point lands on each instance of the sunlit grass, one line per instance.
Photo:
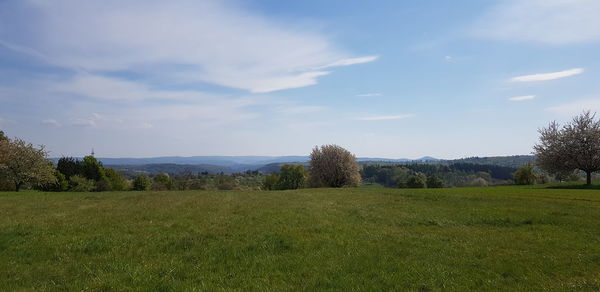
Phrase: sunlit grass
(496, 238)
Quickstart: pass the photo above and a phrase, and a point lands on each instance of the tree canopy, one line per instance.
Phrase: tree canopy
(333, 166)
(22, 163)
(570, 147)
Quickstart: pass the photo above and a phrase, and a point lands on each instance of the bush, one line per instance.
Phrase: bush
(434, 182)
(61, 184)
(333, 166)
(115, 179)
(162, 182)
(81, 184)
(291, 177)
(416, 181)
(271, 182)
(525, 175)
(141, 183)
(478, 182)
(225, 182)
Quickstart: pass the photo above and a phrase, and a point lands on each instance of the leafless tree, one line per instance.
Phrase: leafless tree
(574, 146)
(333, 166)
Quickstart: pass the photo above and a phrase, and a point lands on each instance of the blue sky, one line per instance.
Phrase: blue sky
(390, 79)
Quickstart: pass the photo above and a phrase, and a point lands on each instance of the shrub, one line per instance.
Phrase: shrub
(271, 182)
(162, 182)
(525, 175)
(225, 182)
(61, 184)
(291, 177)
(81, 184)
(478, 182)
(141, 183)
(416, 181)
(434, 182)
(333, 166)
(115, 179)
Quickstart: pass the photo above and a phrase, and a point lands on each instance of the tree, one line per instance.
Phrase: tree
(271, 182)
(291, 177)
(525, 175)
(162, 182)
(3, 136)
(333, 166)
(79, 183)
(69, 166)
(141, 183)
(434, 182)
(416, 181)
(61, 184)
(22, 163)
(92, 168)
(574, 146)
(115, 179)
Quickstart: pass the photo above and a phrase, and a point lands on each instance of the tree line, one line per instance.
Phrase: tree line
(562, 153)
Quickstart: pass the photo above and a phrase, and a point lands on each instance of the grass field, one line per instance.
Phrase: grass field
(497, 238)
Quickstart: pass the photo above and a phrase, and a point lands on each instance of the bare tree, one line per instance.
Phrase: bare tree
(22, 163)
(333, 166)
(574, 146)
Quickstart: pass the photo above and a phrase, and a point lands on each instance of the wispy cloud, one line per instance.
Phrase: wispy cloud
(386, 118)
(369, 94)
(548, 76)
(52, 122)
(303, 109)
(576, 107)
(352, 61)
(202, 41)
(522, 98)
(544, 21)
(146, 126)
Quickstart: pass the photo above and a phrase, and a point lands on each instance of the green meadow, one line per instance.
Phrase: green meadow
(375, 239)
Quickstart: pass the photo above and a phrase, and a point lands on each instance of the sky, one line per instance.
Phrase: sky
(393, 79)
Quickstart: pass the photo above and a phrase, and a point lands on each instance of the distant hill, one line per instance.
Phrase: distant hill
(507, 161)
(171, 168)
(235, 162)
(268, 164)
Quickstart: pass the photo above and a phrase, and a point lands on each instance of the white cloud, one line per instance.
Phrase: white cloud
(352, 61)
(522, 98)
(548, 76)
(543, 21)
(209, 41)
(52, 122)
(576, 107)
(147, 126)
(303, 109)
(106, 88)
(385, 118)
(369, 94)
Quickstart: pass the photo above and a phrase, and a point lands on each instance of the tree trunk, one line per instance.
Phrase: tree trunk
(17, 186)
(589, 178)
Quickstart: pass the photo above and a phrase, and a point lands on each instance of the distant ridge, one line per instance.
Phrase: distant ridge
(231, 161)
(268, 164)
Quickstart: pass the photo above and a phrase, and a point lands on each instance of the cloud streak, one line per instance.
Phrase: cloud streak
(386, 118)
(522, 98)
(369, 94)
(548, 76)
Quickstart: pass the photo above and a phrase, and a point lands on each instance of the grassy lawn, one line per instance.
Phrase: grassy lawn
(497, 238)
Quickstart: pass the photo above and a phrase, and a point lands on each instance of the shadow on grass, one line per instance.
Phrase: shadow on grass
(575, 187)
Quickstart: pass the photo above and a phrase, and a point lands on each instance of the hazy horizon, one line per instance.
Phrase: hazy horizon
(389, 79)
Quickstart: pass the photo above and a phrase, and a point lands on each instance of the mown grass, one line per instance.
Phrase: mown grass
(497, 238)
